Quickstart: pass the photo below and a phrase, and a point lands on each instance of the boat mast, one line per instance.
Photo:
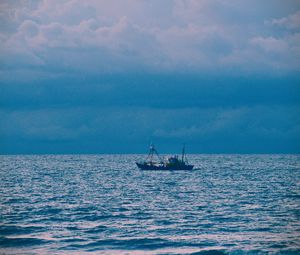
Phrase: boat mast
(152, 150)
(183, 152)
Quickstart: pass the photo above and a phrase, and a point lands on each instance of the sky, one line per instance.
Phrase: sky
(112, 76)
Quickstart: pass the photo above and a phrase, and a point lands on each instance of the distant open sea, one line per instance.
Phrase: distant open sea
(102, 204)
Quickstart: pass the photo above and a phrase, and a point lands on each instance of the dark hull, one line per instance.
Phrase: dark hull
(154, 167)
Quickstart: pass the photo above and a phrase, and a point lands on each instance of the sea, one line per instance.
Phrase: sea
(103, 204)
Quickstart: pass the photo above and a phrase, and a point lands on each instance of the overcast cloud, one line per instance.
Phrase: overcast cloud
(109, 76)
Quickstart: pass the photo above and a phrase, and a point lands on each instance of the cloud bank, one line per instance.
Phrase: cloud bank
(183, 36)
(109, 76)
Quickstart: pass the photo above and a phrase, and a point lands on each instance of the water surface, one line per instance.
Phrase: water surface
(77, 204)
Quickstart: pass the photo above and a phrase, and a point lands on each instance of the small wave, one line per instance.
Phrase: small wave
(71, 240)
(141, 215)
(210, 252)
(165, 222)
(16, 230)
(127, 244)
(261, 229)
(48, 211)
(16, 201)
(20, 242)
(96, 218)
(97, 229)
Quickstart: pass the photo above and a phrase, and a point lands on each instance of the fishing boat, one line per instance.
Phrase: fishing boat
(171, 163)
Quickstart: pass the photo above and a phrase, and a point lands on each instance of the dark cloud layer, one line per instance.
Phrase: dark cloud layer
(118, 129)
(150, 90)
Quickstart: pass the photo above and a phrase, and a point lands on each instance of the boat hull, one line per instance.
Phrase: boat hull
(162, 167)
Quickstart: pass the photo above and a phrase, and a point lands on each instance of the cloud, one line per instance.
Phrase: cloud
(212, 72)
(260, 128)
(184, 36)
(270, 44)
(87, 46)
(154, 91)
(292, 21)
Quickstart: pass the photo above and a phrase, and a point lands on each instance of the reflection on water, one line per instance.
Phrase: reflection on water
(231, 204)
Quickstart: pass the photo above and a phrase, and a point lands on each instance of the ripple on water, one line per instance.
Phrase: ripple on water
(21, 242)
(231, 204)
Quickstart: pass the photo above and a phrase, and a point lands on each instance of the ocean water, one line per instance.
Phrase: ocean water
(102, 204)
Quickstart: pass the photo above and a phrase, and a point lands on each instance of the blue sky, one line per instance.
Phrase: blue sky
(111, 76)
